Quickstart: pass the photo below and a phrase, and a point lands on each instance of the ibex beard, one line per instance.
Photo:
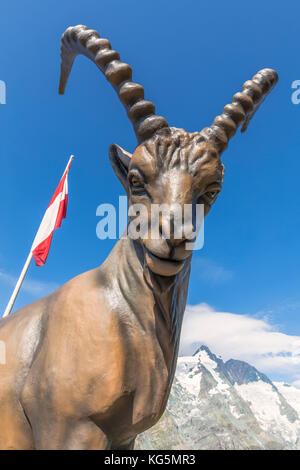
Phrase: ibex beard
(91, 365)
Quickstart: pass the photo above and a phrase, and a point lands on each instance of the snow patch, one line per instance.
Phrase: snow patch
(189, 375)
(291, 394)
(265, 403)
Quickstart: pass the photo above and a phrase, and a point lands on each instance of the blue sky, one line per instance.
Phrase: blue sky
(191, 57)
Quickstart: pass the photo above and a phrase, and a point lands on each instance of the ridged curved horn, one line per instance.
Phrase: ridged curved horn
(81, 40)
(242, 109)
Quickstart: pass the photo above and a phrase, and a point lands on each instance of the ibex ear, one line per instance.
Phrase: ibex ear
(120, 160)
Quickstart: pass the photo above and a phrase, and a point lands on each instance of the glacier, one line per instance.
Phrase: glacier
(217, 405)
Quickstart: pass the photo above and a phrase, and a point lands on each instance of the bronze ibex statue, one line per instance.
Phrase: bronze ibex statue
(91, 365)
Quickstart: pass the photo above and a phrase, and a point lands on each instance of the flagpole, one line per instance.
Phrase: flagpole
(24, 271)
(18, 286)
(69, 163)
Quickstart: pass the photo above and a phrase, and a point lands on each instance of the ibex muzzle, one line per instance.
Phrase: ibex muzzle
(91, 365)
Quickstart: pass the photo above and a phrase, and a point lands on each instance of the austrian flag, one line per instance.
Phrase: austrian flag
(56, 211)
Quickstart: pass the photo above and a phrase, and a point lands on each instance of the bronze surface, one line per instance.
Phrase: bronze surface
(91, 365)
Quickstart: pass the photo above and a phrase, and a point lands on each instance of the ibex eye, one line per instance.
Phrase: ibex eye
(211, 194)
(136, 182)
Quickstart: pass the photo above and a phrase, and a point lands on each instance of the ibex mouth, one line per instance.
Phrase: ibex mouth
(162, 266)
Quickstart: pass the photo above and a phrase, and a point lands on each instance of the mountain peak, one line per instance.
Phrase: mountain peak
(241, 372)
(207, 350)
(237, 372)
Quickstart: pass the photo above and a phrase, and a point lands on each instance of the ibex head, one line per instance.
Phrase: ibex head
(169, 165)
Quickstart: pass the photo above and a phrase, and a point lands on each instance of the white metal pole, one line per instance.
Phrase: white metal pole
(71, 158)
(18, 286)
(24, 271)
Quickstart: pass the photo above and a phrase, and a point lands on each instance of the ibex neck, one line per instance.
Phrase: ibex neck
(148, 294)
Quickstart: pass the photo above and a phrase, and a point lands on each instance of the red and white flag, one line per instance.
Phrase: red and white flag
(56, 211)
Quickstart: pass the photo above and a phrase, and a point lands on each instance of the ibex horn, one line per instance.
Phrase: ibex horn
(81, 40)
(242, 109)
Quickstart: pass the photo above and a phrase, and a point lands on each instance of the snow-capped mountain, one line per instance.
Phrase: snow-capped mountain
(225, 405)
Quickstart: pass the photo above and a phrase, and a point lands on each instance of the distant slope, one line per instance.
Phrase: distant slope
(225, 405)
